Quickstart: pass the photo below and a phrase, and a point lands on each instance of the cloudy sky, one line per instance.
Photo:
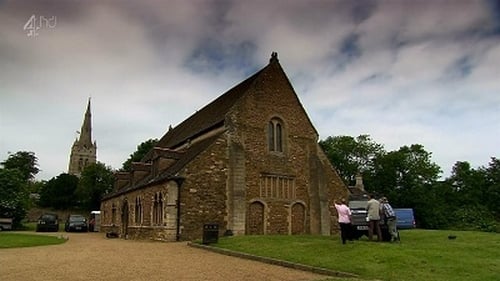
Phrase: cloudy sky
(403, 72)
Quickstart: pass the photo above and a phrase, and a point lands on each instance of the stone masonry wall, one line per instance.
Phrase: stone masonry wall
(203, 193)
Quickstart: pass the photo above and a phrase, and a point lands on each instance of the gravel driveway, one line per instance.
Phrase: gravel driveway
(90, 256)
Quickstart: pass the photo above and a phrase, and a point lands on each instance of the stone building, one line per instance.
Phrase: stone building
(249, 161)
(83, 151)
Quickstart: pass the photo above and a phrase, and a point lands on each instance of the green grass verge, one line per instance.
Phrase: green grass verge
(16, 240)
(421, 255)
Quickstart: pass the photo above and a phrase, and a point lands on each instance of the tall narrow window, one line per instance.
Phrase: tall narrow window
(275, 135)
(138, 211)
(113, 213)
(270, 136)
(158, 209)
(279, 138)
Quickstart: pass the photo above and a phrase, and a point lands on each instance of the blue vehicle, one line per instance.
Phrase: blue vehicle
(405, 218)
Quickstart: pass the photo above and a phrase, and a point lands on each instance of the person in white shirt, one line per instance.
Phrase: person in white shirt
(344, 215)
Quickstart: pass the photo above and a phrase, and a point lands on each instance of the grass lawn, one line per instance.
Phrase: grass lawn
(421, 255)
(15, 240)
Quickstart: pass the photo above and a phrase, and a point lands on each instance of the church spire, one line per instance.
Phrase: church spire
(86, 131)
(83, 151)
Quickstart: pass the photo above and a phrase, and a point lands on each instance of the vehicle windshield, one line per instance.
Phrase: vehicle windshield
(48, 217)
(76, 218)
(358, 204)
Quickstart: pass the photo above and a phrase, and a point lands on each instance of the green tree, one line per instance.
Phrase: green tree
(59, 192)
(142, 150)
(16, 176)
(477, 192)
(14, 195)
(26, 162)
(493, 187)
(408, 177)
(351, 156)
(96, 181)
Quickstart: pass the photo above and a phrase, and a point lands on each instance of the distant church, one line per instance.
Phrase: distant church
(83, 151)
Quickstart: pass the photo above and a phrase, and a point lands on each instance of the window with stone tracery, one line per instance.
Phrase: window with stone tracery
(277, 186)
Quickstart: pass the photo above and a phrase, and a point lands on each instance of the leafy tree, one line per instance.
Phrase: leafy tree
(25, 162)
(351, 155)
(59, 192)
(402, 174)
(96, 180)
(17, 174)
(14, 195)
(409, 178)
(142, 150)
(492, 178)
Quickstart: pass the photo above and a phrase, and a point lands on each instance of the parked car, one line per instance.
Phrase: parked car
(6, 224)
(47, 222)
(76, 223)
(405, 218)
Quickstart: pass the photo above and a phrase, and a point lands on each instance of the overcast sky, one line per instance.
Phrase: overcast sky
(404, 72)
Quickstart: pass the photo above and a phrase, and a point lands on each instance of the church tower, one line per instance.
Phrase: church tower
(83, 151)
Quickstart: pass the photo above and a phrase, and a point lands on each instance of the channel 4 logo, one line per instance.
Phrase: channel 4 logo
(36, 23)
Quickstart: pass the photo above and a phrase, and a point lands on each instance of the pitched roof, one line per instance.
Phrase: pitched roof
(215, 112)
(208, 117)
(171, 171)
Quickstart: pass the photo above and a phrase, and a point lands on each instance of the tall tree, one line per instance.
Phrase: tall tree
(59, 192)
(96, 181)
(26, 162)
(13, 195)
(403, 173)
(17, 174)
(408, 177)
(351, 155)
(142, 150)
(476, 197)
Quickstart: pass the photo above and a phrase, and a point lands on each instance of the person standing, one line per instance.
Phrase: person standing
(373, 209)
(390, 218)
(344, 214)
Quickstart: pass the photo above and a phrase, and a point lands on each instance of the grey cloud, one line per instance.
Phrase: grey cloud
(214, 56)
(362, 10)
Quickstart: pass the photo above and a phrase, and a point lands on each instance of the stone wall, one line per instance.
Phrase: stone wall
(203, 193)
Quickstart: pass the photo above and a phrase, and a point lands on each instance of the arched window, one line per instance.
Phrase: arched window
(275, 135)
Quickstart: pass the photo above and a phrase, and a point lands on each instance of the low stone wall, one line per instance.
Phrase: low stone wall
(159, 233)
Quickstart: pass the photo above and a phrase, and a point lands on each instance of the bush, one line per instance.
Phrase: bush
(474, 218)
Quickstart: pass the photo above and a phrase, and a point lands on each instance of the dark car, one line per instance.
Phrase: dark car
(76, 223)
(47, 222)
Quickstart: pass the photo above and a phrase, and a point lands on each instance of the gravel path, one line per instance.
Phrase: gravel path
(90, 256)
